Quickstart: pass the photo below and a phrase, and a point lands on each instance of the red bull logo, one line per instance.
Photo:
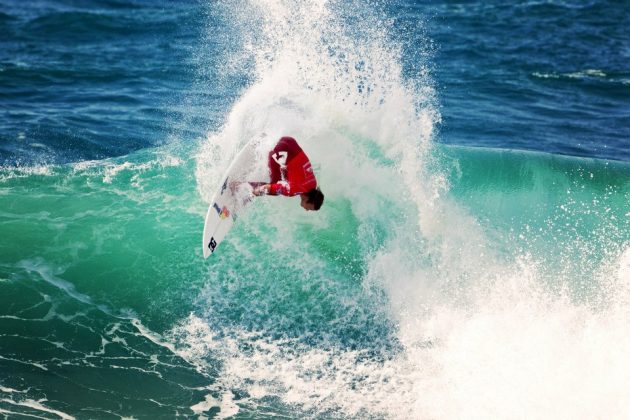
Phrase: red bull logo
(223, 213)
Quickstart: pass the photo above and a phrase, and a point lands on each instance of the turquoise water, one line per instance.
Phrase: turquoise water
(439, 280)
(110, 311)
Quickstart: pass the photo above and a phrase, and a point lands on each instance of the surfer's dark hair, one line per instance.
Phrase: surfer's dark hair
(315, 197)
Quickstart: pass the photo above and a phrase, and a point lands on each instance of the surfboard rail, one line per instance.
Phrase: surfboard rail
(232, 195)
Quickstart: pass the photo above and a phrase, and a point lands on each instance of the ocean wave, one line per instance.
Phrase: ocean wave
(587, 75)
(5, 17)
(82, 26)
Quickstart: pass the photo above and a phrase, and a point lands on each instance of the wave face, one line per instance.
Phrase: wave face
(437, 281)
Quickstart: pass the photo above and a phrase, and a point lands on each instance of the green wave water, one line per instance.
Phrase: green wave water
(557, 209)
(108, 308)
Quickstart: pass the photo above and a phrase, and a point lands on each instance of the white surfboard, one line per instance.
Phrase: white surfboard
(230, 198)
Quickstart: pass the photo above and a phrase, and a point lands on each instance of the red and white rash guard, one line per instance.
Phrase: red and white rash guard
(290, 170)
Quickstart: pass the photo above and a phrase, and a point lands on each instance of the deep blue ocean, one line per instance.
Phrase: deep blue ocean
(94, 79)
(471, 260)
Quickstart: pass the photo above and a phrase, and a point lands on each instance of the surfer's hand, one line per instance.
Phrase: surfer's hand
(234, 185)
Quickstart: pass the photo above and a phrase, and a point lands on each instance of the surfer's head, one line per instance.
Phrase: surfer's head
(312, 200)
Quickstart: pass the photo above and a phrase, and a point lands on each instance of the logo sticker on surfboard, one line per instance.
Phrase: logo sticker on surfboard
(213, 244)
(223, 213)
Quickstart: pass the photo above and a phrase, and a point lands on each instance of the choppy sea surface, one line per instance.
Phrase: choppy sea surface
(471, 260)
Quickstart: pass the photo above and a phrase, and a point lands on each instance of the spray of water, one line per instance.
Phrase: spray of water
(469, 330)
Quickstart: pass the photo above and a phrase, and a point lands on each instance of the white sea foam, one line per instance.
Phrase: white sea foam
(227, 407)
(13, 172)
(514, 350)
(588, 74)
(37, 405)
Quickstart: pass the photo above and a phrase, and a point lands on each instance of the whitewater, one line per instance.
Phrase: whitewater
(436, 282)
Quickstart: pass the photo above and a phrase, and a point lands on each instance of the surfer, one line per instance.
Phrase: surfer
(291, 174)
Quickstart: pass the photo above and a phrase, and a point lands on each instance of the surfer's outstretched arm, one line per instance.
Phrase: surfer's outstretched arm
(256, 184)
(259, 188)
(271, 189)
(235, 185)
(262, 189)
